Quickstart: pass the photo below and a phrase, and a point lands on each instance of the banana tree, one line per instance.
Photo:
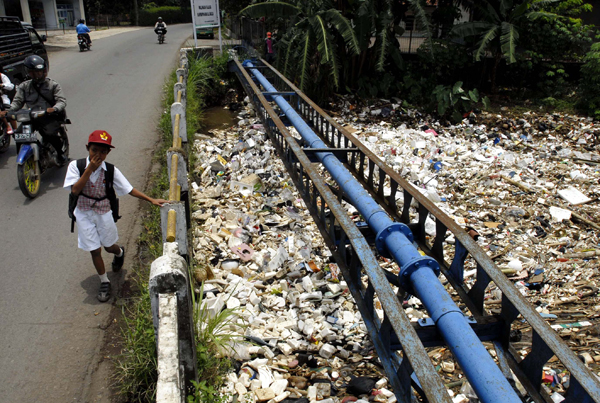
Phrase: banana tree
(319, 35)
(377, 24)
(497, 29)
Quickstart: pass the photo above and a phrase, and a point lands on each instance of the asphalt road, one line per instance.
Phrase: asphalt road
(50, 320)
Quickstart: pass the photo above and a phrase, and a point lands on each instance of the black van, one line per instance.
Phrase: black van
(17, 41)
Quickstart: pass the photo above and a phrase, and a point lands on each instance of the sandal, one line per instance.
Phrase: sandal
(117, 263)
(104, 292)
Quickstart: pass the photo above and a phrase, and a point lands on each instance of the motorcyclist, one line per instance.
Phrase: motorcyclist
(6, 86)
(160, 25)
(42, 93)
(84, 31)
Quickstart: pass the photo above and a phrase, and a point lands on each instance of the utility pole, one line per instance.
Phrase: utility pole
(135, 11)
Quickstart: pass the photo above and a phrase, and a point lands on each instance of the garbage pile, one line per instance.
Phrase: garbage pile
(260, 254)
(528, 185)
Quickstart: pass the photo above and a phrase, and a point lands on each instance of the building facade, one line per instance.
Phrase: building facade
(49, 14)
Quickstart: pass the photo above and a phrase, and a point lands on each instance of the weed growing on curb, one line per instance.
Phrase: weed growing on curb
(136, 367)
(215, 336)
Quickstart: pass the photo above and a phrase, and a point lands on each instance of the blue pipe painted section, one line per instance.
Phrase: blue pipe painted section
(417, 273)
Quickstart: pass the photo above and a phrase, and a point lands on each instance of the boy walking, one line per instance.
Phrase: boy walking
(96, 227)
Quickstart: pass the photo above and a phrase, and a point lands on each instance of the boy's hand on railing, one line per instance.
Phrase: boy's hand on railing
(158, 202)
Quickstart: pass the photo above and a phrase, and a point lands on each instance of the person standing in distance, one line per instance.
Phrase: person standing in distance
(270, 48)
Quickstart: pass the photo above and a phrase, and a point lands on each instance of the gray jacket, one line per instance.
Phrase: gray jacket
(26, 94)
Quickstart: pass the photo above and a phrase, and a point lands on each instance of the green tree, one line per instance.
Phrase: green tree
(318, 34)
(497, 27)
(551, 42)
(589, 93)
(233, 7)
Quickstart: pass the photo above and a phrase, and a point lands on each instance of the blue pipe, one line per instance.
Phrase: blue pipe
(417, 273)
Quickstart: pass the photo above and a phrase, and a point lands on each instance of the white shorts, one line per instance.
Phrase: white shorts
(95, 230)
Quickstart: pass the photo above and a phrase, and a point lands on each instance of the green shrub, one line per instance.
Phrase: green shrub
(170, 15)
(589, 94)
(453, 101)
(383, 85)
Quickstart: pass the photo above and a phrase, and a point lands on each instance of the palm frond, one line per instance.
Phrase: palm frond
(271, 9)
(488, 11)
(534, 15)
(505, 7)
(508, 41)
(483, 44)
(382, 44)
(468, 29)
(334, 64)
(364, 24)
(544, 3)
(305, 61)
(344, 27)
(519, 10)
(320, 30)
(421, 18)
(288, 55)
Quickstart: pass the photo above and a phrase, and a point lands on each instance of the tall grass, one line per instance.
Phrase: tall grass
(215, 336)
(136, 373)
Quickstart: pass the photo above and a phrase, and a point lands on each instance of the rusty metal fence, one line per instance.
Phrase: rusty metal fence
(398, 342)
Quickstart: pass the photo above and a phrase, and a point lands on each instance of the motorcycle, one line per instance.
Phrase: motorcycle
(83, 43)
(35, 156)
(4, 137)
(161, 36)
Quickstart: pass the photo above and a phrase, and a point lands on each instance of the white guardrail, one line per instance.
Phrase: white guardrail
(169, 285)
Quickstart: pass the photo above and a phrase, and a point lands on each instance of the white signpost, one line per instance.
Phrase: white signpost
(206, 14)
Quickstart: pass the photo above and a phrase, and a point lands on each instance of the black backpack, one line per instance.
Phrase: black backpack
(110, 193)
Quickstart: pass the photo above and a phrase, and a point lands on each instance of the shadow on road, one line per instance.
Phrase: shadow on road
(4, 159)
(92, 283)
(51, 180)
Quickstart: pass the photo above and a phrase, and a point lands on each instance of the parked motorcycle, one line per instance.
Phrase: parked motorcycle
(83, 43)
(161, 35)
(35, 156)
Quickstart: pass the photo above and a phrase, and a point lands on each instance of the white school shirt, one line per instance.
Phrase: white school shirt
(120, 183)
(8, 86)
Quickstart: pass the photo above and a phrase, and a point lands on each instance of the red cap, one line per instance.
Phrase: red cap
(101, 137)
(268, 34)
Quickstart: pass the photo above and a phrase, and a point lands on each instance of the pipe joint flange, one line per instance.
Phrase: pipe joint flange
(390, 229)
(419, 263)
(249, 62)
